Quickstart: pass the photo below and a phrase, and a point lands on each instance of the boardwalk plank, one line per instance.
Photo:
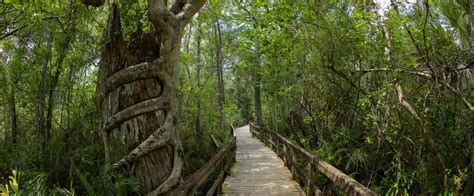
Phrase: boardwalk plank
(258, 170)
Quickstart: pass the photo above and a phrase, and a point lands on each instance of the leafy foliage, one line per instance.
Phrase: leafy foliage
(329, 73)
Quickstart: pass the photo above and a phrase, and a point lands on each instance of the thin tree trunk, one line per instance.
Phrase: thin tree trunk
(8, 79)
(256, 94)
(67, 102)
(54, 83)
(63, 49)
(220, 74)
(42, 92)
(13, 116)
(468, 20)
(42, 101)
(256, 77)
(198, 83)
(258, 103)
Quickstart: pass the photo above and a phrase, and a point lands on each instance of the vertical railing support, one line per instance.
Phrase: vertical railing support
(293, 161)
(278, 151)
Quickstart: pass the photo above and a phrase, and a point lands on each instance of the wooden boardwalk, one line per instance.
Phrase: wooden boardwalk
(258, 170)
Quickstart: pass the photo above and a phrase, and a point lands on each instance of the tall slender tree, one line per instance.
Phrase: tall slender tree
(220, 73)
(198, 82)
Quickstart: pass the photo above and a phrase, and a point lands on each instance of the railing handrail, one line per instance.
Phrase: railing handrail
(220, 158)
(343, 181)
(232, 128)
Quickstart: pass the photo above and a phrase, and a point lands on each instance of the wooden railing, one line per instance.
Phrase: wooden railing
(289, 152)
(221, 161)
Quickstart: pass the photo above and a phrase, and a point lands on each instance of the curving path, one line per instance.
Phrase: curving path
(258, 170)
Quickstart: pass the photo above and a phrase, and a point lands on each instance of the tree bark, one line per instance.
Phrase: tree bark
(243, 100)
(220, 75)
(137, 88)
(256, 94)
(256, 75)
(468, 20)
(42, 101)
(7, 78)
(42, 92)
(198, 125)
(54, 83)
(13, 115)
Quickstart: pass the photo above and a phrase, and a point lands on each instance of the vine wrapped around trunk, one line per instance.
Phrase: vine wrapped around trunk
(137, 88)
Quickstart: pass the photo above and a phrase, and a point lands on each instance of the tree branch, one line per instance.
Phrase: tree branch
(464, 99)
(95, 3)
(424, 75)
(160, 16)
(406, 105)
(11, 32)
(424, 132)
(143, 107)
(418, 73)
(157, 139)
(132, 73)
(178, 6)
(191, 8)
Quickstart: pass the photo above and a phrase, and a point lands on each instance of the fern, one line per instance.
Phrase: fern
(82, 178)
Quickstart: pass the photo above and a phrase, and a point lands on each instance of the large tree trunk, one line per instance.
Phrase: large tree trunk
(137, 88)
(220, 74)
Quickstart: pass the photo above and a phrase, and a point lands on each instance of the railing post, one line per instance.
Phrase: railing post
(277, 143)
(285, 161)
(267, 141)
(272, 143)
(231, 133)
(293, 166)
